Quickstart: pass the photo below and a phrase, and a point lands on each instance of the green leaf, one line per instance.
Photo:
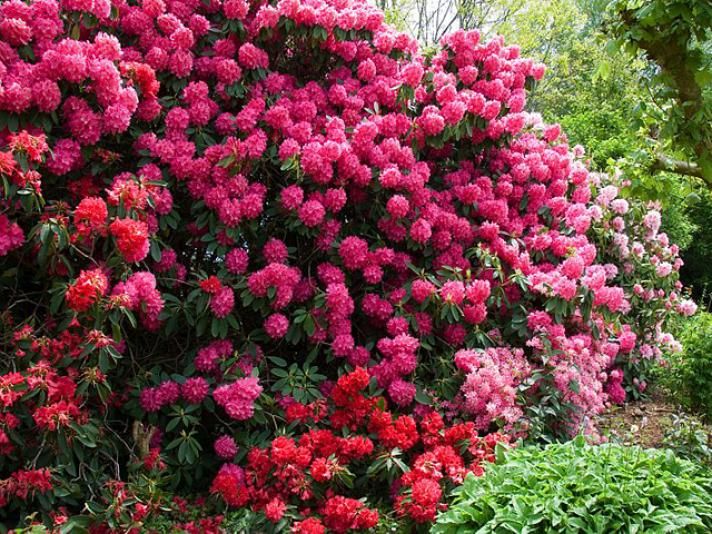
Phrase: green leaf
(155, 251)
(277, 361)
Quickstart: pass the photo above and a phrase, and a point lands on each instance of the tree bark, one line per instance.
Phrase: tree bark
(664, 163)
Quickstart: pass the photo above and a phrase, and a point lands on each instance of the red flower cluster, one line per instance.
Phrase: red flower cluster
(25, 484)
(442, 463)
(304, 470)
(131, 238)
(87, 289)
(342, 514)
(90, 217)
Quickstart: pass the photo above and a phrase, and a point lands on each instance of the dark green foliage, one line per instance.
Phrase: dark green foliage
(576, 487)
(689, 438)
(697, 271)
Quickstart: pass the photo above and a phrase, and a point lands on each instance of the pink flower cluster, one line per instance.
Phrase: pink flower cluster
(95, 65)
(153, 399)
(11, 235)
(207, 360)
(193, 390)
(238, 397)
(139, 293)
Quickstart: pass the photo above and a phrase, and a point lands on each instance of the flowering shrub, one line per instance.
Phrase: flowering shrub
(267, 251)
(644, 262)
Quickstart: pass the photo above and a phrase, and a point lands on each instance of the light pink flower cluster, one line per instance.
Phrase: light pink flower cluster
(491, 380)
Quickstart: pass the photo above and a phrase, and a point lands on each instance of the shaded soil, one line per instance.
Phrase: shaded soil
(643, 423)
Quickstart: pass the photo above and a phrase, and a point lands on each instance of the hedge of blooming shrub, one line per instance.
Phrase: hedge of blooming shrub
(266, 256)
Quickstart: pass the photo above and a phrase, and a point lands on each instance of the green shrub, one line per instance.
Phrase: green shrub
(689, 374)
(575, 487)
(696, 272)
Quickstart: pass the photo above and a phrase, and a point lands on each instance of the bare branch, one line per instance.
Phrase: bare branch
(664, 163)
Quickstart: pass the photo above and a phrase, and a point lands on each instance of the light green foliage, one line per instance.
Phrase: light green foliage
(689, 375)
(678, 224)
(393, 11)
(575, 487)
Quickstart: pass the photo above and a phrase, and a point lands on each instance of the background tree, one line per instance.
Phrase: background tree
(675, 36)
(430, 20)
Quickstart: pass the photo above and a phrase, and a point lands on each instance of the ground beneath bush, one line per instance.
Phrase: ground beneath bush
(643, 423)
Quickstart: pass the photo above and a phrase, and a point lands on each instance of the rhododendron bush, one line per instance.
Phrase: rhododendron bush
(268, 256)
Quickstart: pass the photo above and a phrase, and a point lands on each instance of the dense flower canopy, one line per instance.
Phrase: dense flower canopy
(226, 221)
